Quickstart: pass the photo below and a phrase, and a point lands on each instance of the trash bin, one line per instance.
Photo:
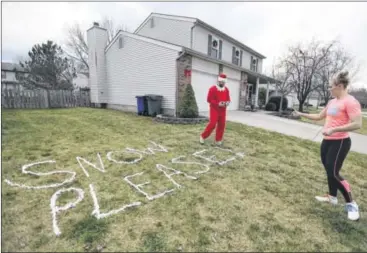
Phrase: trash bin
(154, 104)
(142, 105)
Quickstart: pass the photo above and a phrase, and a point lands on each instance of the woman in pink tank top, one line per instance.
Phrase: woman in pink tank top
(342, 115)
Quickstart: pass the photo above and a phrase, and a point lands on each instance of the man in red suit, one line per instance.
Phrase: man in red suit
(218, 99)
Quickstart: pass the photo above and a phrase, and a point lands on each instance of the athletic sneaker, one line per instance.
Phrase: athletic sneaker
(201, 140)
(218, 143)
(353, 211)
(328, 198)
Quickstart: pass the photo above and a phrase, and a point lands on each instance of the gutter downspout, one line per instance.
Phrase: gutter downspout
(177, 77)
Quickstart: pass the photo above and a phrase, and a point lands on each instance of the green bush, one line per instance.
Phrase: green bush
(188, 107)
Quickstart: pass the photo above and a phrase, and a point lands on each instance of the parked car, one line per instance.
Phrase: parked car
(274, 103)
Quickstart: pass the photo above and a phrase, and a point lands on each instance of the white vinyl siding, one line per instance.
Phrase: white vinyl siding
(141, 68)
(205, 66)
(172, 31)
(232, 73)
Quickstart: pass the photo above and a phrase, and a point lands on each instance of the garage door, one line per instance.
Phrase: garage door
(234, 89)
(201, 82)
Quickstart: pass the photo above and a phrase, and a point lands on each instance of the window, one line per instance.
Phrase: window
(236, 56)
(253, 64)
(214, 47)
(121, 42)
(19, 76)
(3, 74)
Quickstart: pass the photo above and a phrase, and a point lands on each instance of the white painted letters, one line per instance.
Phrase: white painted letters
(25, 171)
(164, 169)
(55, 209)
(96, 212)
(176, 160)
(138, 187)
(100, 168)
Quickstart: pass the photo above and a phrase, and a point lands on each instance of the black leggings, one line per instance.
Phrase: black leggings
(333, 153)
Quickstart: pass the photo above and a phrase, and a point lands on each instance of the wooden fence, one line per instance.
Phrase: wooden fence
(17, 99)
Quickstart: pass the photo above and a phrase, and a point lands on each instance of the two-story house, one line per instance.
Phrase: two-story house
(11, 74)
(163, 55)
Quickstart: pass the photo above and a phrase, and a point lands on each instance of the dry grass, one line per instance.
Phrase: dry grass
(262, 202)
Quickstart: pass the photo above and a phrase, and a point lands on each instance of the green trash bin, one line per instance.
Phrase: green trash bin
(154, 104)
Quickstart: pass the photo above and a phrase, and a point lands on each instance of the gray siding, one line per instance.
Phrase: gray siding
(200, 43)
(140, 68)
(173, 31)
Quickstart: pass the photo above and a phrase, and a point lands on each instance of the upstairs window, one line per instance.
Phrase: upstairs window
(214, 47)
(3, 74)
(253, 64)
(236, 56)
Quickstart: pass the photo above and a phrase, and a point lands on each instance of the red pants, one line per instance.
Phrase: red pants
(217, 119)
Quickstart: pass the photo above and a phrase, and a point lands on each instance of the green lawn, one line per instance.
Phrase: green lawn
(263, 201)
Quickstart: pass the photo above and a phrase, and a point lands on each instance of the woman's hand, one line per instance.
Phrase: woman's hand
(328, 132)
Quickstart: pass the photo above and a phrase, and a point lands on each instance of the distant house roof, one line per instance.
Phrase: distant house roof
(8, 66)
(207, 26)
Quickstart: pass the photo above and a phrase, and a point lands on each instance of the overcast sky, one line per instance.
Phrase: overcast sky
(266, 27)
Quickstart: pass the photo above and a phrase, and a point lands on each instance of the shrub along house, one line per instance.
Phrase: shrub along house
(162, 56)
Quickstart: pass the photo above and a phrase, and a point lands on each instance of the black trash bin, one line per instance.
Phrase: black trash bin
(154, 104)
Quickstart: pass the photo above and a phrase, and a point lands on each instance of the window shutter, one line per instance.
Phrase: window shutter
(233, 54)
(257, 62)
(241, 58)
(252, 58)
(209, 44)
(220, 49)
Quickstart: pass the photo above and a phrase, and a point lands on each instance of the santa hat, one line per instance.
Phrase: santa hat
(222, 77)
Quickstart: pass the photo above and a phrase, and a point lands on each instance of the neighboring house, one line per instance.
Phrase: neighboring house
(11, 74)
(162, 56)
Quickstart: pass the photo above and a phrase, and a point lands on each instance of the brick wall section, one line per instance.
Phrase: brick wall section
(184, 63)
(243, 89)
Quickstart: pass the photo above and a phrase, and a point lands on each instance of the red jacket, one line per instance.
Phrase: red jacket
(215, 96)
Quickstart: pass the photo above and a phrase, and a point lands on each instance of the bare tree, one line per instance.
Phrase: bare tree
(303, 62)
(338, 59)
(112, 31)
(77, 47)
(282, 73)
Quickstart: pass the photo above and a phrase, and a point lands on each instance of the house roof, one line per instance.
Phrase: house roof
(145, 38)
(197, 21)
(9, 66)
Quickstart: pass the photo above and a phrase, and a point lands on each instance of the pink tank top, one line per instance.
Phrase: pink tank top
(338, 113)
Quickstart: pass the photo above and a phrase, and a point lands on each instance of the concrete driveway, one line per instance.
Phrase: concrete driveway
(291, 127)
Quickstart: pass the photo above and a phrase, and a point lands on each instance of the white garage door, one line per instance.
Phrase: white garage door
(234, 89)
(201, 83)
